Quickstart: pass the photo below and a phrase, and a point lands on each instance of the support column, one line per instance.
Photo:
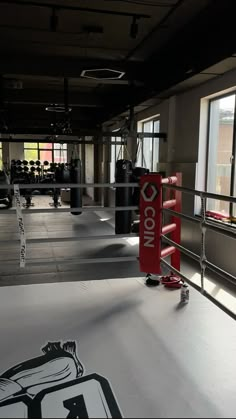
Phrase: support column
(98, 169)
(6, 155)
(171, 129)
(106, 171)
(132, 143)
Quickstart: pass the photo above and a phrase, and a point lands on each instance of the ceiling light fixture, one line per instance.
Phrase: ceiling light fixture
(102, 74)
(56, 108)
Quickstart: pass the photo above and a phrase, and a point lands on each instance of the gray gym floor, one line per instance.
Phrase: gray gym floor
(62, 225)
(160, 358)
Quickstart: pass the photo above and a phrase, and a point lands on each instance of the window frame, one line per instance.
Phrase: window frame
(38, 149)
(233, 152)
(152, 120)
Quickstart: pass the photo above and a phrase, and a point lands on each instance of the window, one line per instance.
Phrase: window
(1, 165)
(53, 153)
(221, 149)
(148, 152)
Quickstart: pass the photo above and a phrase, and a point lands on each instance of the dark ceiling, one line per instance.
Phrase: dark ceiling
(45, 45)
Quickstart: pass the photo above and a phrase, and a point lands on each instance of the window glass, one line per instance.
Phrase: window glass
(60, 156)
(45, 155)
(148, 155)
(119, 151)
(156, 146)
(46, 152)
(58, 146)
(113, 163)
(139, 161)
(221, 127)
(31, 145)
(45, 146)
(31, 155)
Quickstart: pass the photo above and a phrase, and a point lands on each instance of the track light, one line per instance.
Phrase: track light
(134, 28)
(53, 20)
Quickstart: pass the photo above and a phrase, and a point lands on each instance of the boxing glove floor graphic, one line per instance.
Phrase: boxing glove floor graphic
(54, 385)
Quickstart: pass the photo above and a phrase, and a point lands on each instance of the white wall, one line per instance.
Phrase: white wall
(184, 150)
(16, 151)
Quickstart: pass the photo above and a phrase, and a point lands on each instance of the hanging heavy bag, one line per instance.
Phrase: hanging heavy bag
(5, 194)
(66, 175)
(123, 219)
(76, 193)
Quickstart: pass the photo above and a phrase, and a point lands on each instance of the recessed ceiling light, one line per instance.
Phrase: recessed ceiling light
(102, 74)
(57, 108)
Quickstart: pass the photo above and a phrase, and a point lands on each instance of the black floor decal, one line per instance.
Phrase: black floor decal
(54, 385)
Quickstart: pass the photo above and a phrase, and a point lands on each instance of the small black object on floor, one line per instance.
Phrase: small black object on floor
(151, 282)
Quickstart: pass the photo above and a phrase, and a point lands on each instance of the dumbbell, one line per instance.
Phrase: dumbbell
(19, 169)
(38, 169)
(25, 162)
(32, 169)
(31, 163)
(38, 163)
(45, 163)
(18, 163)
(26, 169)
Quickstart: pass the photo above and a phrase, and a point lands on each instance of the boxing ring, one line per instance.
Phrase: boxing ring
(160, 359)
(115, 347)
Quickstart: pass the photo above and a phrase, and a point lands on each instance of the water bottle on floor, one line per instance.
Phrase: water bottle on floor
(184, 293)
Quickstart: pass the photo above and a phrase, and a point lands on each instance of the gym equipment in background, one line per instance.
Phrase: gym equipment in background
(33, 172)
(123, 219)
(21, 173)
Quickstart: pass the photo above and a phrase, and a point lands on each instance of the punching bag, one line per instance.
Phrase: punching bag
(5, 194)
(3, 181)
(123, 219)
(75, 193)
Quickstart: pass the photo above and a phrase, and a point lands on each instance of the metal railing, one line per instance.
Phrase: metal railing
(204, 224)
